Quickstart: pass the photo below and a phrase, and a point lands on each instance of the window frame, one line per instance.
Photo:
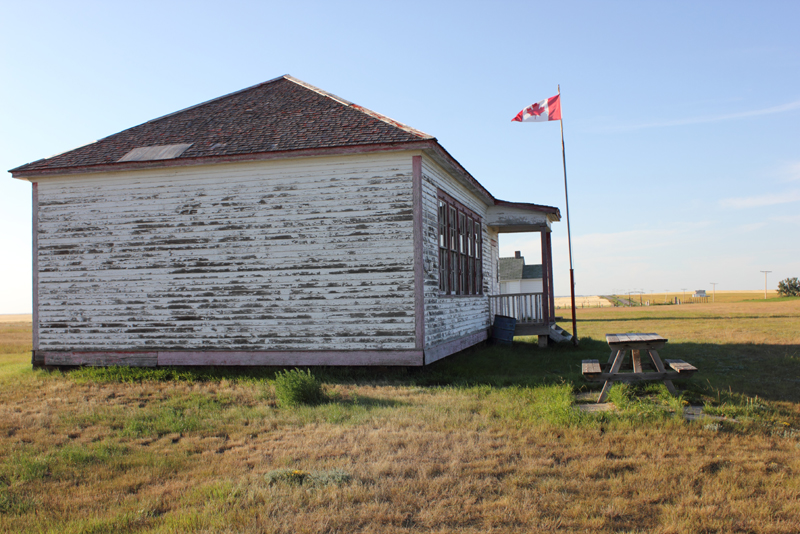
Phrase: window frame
(460, 246)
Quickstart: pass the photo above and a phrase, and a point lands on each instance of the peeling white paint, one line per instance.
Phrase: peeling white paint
(449, 317)
(305, 254)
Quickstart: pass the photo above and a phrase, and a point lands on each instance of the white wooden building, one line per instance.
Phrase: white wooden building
(278, 225)
(517, 277)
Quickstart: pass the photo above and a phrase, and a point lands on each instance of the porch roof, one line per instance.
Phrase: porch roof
(511, 217)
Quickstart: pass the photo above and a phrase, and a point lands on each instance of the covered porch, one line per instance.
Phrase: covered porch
(534, 312)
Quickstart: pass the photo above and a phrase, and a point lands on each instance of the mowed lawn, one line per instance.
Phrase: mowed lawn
(490, 440)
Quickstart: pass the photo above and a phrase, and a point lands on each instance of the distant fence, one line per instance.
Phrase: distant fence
(658, 301)
(585, 302)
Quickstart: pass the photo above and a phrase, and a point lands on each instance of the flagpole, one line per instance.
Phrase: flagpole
(569, 235)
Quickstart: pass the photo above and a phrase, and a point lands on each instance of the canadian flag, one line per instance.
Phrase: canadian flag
(546, 110)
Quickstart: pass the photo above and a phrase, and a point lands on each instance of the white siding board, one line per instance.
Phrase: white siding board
(224, 207)
(448, 317)
(531, 286)
(307, 254)
(492, 262)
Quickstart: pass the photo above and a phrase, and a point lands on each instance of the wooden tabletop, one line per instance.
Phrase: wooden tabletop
(629, 339)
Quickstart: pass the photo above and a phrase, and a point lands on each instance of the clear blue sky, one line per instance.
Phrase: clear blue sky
(682, 119)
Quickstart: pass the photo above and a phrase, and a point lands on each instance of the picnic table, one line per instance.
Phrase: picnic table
(621, 345)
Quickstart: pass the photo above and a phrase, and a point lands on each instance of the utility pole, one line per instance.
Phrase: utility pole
(765, 283)
(684, 294)
(714, 296)
(665, 295)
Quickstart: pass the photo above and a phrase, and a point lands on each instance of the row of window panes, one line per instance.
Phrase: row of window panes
(459, 251)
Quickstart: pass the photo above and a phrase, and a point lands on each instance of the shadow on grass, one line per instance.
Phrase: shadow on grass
(770, 371)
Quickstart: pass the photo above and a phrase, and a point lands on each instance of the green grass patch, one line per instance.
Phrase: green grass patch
(131, 375)
(157, 421)
(645, 402)
(13, 502)
(25, 466)
(14, 366)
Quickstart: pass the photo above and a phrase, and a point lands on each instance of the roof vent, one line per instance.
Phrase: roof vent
(149, 153)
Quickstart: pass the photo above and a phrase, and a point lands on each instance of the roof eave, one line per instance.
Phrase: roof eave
(553, 213)
(443, 158)
(212, 160)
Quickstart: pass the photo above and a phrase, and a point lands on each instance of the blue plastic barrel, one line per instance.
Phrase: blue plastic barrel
(503, 329)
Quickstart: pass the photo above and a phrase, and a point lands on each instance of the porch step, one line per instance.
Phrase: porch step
(558, 334)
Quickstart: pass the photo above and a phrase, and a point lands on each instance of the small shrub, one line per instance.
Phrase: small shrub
(287, 476)
(294, 387)
(789, 287)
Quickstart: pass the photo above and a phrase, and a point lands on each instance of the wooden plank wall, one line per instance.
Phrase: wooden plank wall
(35, 275)
(449, 317)
(305, 254)
(492, 262)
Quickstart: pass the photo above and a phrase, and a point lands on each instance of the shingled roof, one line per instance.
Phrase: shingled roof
(283, 117)
(284, 114)
(515, 269)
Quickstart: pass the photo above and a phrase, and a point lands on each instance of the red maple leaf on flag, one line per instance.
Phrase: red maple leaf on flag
(535, 110)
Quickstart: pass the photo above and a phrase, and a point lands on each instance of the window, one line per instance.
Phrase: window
(459, 248)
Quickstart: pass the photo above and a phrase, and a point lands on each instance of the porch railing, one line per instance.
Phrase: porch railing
(526, 308)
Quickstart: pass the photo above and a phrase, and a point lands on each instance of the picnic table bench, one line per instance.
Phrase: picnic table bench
(620, 345)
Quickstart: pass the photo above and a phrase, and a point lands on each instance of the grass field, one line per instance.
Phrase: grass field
(486, 441)
(721, 297)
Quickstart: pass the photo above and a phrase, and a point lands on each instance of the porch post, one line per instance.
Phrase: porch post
(547, 283)
(552, 296)
(546, 279)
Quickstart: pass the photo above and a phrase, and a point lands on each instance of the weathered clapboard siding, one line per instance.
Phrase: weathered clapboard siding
(309, 254)
(448, 317)
(492, 263)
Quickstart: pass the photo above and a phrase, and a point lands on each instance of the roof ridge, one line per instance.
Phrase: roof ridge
(309, 118)
(152, 120)
(316, 89)
(373, 114)
(273, 80)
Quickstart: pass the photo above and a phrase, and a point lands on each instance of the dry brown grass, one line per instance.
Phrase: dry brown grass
(754, 322)
(86, 456)
(721, 297)
(15, 337)
(437, 463)
(15, 318)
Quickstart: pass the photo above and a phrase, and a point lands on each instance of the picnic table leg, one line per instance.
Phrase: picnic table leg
(637, 361)
(617, 357)
(660, 368)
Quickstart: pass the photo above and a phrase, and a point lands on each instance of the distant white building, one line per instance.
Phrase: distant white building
(700, 293)
(516, 277)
